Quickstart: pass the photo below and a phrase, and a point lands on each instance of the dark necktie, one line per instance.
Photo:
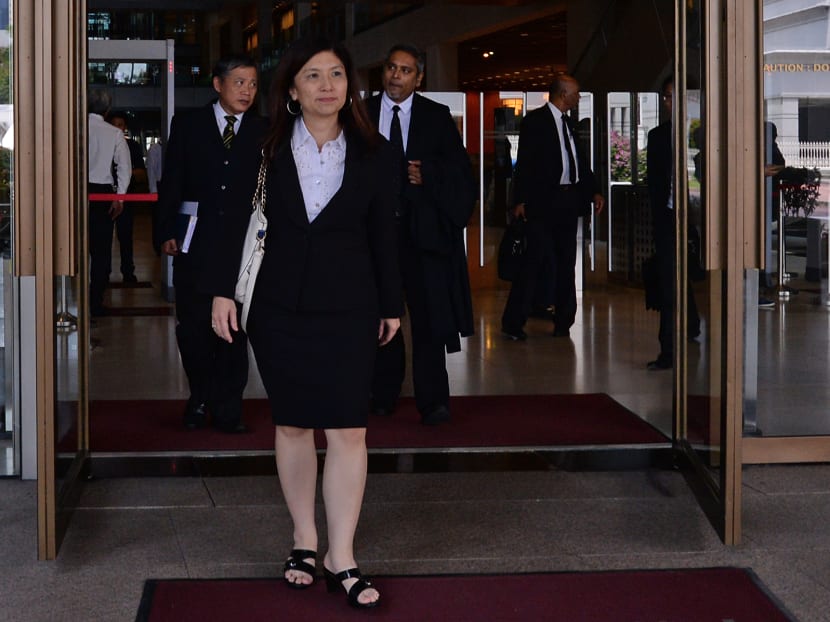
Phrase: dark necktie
(571, 160)
(395, 134)
(227, 135)
(396, 140)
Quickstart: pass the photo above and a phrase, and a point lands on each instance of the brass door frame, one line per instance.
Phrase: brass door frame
(731, 35)
(50, 181)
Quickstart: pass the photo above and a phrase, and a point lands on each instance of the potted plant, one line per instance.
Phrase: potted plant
(799, 190)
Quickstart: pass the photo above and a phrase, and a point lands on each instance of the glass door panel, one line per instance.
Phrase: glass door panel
(68, 422)
(492, 138)
(788, 333)
(699, 296)
(630, 117)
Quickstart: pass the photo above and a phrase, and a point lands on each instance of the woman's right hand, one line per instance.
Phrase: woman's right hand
(223, 318)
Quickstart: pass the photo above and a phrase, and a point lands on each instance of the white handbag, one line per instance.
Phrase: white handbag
(254, 247)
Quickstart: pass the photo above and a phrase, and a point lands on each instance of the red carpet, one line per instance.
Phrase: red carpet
(134, 285)
(477, 421)
(139, 311)
(699, 595)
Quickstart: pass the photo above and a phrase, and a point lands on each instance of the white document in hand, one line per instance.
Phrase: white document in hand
(187, 219)
(188, 234)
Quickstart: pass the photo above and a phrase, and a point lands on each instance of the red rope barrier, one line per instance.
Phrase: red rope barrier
(109, 196)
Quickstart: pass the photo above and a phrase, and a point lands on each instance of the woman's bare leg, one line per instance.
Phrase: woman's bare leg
(344, 479)
(297, 470)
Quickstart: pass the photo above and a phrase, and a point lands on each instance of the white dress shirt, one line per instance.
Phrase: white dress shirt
(566, 173)
(107, 145)
(404, 115)
(320, 171)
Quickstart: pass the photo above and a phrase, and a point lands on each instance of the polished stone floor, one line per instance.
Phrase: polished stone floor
(128, 529)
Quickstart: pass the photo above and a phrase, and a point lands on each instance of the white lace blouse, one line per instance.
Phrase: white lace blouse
(320, 171)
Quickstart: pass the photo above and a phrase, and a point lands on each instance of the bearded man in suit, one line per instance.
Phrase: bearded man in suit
(553, 187)
(437, 196)
(210, 173)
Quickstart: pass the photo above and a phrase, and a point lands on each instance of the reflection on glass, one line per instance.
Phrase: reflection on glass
(703, 309)
(790, 366)
(129, 74)
(67, 383)
(630, 117)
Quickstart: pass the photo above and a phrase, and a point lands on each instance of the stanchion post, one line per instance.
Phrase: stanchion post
(784, 292)
(64, 319)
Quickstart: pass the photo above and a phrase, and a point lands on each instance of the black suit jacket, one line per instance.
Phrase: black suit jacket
(436, 213)
(197, 167)
(346, 259)
(659, 166)
(539, 166)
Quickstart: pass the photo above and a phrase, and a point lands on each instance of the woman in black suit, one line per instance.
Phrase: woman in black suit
(327, 293)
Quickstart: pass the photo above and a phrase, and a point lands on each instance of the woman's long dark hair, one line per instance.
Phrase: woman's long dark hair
(352, 117)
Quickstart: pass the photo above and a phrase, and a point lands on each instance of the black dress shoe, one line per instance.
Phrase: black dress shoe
(661, 362)
(195, 415)
(561, 332)
(514, 335)
(542, 313)
(231, 428)
(437, 415)
(130, 278)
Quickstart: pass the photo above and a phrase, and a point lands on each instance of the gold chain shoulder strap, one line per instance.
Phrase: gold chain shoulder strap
(259, 194)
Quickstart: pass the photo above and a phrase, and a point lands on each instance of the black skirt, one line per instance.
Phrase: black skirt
(316, 367)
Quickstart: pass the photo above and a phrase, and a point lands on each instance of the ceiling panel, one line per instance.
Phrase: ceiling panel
(523, 57)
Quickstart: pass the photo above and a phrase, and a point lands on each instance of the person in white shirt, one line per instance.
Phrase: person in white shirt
(106, 146)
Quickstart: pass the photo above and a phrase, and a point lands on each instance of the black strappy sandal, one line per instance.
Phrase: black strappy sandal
(296, 561)
(334, 582)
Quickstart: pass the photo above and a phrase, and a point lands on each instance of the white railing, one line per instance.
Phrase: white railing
(806, 154)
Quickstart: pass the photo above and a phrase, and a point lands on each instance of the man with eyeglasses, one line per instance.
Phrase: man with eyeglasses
(437, 193)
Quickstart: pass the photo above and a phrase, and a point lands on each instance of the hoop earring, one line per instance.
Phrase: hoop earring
(293, 112)
(348, 103)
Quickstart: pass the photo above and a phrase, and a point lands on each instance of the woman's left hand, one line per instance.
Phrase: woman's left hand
(223, 318)
(387, 329)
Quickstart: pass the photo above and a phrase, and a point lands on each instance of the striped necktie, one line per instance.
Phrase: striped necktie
(227, 135)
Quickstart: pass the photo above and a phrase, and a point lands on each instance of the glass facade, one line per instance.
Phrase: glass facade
(9, 421)
(185, 28)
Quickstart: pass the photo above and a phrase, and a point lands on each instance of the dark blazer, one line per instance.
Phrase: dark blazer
(659, 166)
(346, 259)
(539, 165)
(435, 214)
(197, 167)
